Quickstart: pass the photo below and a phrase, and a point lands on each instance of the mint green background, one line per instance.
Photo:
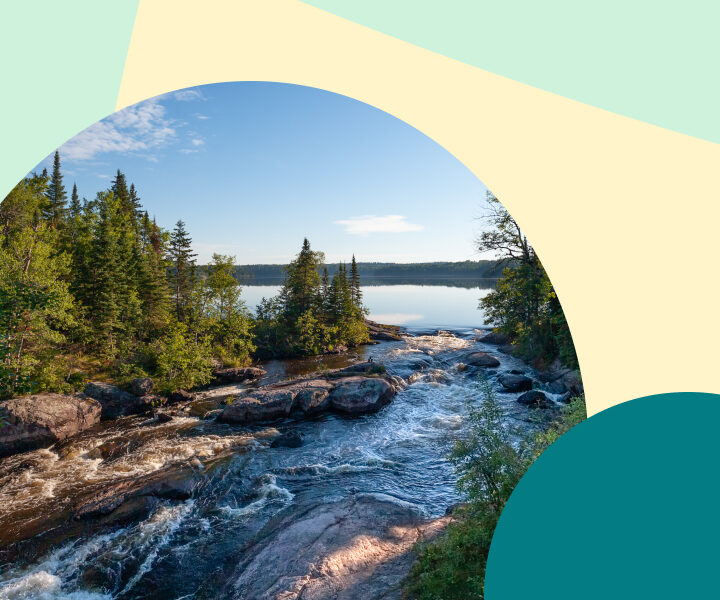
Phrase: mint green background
(653, 61)
(625, 505)
(62, 62)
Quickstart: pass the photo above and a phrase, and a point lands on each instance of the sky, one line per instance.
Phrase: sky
(253, 168)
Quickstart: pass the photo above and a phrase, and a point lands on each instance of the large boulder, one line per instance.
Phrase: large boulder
(515, 383)
(116, 402)
(535, 399)
(180, 396)
(287, 440)
(142, 386)
(360, 395)
(313, 396)
(495, 338)
(261, 405)
(482, 359)
(237, 374)
(39, 421)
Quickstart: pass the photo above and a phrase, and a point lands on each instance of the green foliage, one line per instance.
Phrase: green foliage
(490, 461)
(182, 360)
(35, 307)
(223, 314)
(524, 304)
(312, 314)
(182, 274)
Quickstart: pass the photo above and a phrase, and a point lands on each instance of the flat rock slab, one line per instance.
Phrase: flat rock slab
(41, 420)
(356, 549)
(238, 374)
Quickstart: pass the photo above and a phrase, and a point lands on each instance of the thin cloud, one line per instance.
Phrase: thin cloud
(197, 142)
(371, 224)
(188, 95)
(138, 128)
(201, 117)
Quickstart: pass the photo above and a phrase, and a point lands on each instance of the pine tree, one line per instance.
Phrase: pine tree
(152, 285)
(56, 197)
(122, 194)
(182, 274)
(355, 283)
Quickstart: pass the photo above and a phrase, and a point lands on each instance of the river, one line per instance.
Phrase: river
(191, 548)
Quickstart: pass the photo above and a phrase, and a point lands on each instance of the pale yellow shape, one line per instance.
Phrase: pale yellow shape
(622, 213)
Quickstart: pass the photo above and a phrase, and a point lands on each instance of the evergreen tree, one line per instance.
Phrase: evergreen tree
(153, 289)
(120, 191)
(56, 197)
(182, 274)
(355, 283)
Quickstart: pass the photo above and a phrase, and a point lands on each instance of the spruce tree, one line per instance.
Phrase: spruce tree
(355, 283)
(56, 197)
(182, 274)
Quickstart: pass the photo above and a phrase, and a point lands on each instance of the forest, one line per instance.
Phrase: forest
(95, 288)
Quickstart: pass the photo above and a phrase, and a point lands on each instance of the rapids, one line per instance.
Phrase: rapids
(188, 548)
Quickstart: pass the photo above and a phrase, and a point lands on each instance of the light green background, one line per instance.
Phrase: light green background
(656, 61)
(62, 62)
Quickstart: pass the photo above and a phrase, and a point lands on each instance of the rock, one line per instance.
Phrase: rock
(261, 405)
(237, 374)
(180, 396)
(482, 359)
(515, 372)
(355, 549)
(515, 383)
(383, 333)
(360, 395)
(535, 399)
(556, 387)
(507, 349)
(495, 338)
(116, 402)
(43, 419)
(461, 367)
(565, 398)
(287, 440)
(313, 396)
(142, 386)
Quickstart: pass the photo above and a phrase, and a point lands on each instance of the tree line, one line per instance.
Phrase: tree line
(97, 288)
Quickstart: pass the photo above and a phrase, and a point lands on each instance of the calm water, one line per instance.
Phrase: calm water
(408, 305)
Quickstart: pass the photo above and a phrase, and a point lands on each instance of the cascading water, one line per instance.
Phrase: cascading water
(187, 548)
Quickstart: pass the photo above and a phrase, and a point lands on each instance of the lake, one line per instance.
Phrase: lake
(409, 305)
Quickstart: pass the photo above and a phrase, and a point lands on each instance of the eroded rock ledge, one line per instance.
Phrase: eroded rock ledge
(351, 391)
(355, 549)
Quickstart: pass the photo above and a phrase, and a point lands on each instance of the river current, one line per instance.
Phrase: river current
(188, 548)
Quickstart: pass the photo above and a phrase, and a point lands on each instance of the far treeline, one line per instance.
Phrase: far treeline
(96, 289)
(464, 273)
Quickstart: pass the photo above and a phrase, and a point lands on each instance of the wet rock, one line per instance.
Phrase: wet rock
(180, 396)
(461, 367)
(355, 549)
(261, 405)
(565, 398)
(142, 386)
(212, 414)
(237, 374)
(361, 395)
(535, 399)
(482, 359)
(515, 383)
(507, 349)
(287, 440)
(43, 419)
(170, 484)
(384, 333)
(313, 397)
(132, 510)
(116, 402)
(495, 338)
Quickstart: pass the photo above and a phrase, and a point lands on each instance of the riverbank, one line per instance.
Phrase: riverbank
(148, 489)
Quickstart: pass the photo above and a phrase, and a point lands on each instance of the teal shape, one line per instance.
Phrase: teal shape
(625, 505)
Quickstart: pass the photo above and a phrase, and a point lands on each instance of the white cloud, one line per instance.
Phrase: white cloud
(201, 117)
(188, 150)
(372, 224)
(197, 142)
(188, 95)
(138, 128)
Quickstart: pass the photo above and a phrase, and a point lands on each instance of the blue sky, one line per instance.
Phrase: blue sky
(252, 168)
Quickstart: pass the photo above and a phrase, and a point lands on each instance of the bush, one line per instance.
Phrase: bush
(490, 461)
(182, 360)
